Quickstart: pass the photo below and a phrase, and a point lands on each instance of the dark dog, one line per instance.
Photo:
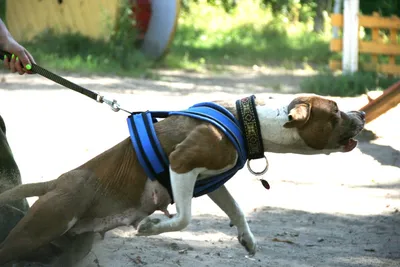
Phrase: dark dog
(10, 176)
(14, 211)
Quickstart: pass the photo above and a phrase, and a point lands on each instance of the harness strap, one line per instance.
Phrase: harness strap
(228, 125)
(149, 152)
(154, 160)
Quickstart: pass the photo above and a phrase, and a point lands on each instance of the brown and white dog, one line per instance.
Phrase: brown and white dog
(112, 189)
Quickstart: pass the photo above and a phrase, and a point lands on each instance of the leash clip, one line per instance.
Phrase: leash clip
(112, 103)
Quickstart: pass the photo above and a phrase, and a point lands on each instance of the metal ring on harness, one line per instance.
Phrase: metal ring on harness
(261, 172)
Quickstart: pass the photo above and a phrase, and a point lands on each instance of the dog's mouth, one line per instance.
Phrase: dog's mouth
(348, 144)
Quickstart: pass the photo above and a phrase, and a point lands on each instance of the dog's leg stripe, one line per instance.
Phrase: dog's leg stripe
(145, 143)
(156, 146)
(162, 177)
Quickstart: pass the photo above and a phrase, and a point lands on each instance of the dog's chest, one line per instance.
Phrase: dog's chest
(154, 160)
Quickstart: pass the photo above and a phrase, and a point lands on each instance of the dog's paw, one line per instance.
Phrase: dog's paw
(148, 227)
(249, 242)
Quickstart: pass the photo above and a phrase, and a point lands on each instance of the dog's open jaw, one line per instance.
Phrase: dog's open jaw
(308, 125)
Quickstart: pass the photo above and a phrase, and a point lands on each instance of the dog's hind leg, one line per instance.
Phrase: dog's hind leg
(75, 249)
(26, 190)
(49, 218)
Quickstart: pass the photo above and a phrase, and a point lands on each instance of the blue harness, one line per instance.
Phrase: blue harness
(155, 162)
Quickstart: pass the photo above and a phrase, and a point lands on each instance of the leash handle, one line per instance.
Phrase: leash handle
(73, 86)
(56, 78)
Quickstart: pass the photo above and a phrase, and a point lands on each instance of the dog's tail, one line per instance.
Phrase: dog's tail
(26, 190)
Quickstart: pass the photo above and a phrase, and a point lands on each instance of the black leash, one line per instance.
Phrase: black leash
(73, 86)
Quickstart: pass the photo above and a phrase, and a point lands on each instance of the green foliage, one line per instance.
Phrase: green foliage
(248, 35)
(384, 7)
(227, 5)
(3, 10)
(304, 8)
(123, 38)
(301, 10)
(358, 83)
(207, 37)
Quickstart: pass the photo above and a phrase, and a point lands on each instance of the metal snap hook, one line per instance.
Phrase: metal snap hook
(261, 172)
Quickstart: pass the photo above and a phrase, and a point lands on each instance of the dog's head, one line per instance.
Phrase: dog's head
(314, 125)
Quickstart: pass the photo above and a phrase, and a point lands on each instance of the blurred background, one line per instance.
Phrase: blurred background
(118, 38)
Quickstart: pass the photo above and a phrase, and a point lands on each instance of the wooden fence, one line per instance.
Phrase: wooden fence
(377, 46)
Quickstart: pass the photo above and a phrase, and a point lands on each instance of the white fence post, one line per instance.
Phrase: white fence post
(350, 36)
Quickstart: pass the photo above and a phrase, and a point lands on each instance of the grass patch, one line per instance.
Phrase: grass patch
(74, 52)
(207, 37)
(247, 35)
(329, 84)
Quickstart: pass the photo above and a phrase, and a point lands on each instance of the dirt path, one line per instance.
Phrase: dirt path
(337, 210)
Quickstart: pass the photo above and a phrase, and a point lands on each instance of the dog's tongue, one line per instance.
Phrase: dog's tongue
(351, 144)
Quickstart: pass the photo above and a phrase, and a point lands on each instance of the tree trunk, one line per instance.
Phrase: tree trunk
(319, 21)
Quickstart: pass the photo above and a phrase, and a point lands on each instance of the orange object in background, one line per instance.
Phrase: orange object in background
(156, 20)
(142, 13)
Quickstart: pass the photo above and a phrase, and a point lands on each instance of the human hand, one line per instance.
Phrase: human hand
(20, 61)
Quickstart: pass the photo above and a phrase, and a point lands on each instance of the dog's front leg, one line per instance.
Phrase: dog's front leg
(182, 185)
(225, 201)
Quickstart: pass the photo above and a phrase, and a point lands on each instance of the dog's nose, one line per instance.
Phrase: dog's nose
(362, 114)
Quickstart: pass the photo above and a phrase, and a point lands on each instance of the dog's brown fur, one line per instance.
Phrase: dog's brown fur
(108, 184)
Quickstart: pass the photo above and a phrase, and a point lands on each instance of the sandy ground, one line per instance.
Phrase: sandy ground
(337, 210)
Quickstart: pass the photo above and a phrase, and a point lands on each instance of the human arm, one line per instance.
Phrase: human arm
(21, 60)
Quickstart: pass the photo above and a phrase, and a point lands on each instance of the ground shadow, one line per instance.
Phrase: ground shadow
(385, 155)
(300, 238)
(285, 238)
(179, 83)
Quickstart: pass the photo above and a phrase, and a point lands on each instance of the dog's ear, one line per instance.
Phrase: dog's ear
(298, 115)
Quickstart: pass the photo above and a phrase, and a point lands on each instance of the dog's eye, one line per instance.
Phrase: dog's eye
(290, 117)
